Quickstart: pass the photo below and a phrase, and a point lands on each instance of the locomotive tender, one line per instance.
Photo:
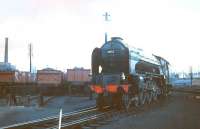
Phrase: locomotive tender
(125, 76)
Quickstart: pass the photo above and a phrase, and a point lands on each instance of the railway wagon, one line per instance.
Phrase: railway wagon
(78, 75)
(125, 76)
(49, 76)
(8, 76)
(24, 77)
(16, 82)
(79, 79)
(13, 77)
(50, 82)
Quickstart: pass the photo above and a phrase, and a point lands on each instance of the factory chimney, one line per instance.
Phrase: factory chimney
(6, 51)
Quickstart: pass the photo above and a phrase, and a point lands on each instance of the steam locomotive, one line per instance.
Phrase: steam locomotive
(126, 77)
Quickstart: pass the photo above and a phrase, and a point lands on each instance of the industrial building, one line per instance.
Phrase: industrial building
(9, 73)
(6, 66)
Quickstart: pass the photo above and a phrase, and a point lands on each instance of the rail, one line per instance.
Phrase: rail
(187, 90)
(50, 119)
(80, 121)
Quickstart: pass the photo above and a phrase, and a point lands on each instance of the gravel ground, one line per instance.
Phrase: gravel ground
(17, 114)
(179, 111)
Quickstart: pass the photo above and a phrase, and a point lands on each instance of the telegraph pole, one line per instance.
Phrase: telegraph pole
(191, 75)
(30, 56)
(106, 15)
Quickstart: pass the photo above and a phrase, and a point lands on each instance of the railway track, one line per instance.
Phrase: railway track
(50, 122)
(89, 121)
(87, 118)
(187, 90)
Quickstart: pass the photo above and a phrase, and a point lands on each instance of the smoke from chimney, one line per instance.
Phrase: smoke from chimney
(6, 51)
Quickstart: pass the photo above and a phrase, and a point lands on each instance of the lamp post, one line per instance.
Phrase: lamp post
(106, 15)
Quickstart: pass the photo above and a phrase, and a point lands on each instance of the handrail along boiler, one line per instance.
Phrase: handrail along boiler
(123, 76)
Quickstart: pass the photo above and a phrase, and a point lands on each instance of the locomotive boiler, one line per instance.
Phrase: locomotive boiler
(123, 76)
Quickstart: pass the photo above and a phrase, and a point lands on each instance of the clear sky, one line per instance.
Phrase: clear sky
(64, 32)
